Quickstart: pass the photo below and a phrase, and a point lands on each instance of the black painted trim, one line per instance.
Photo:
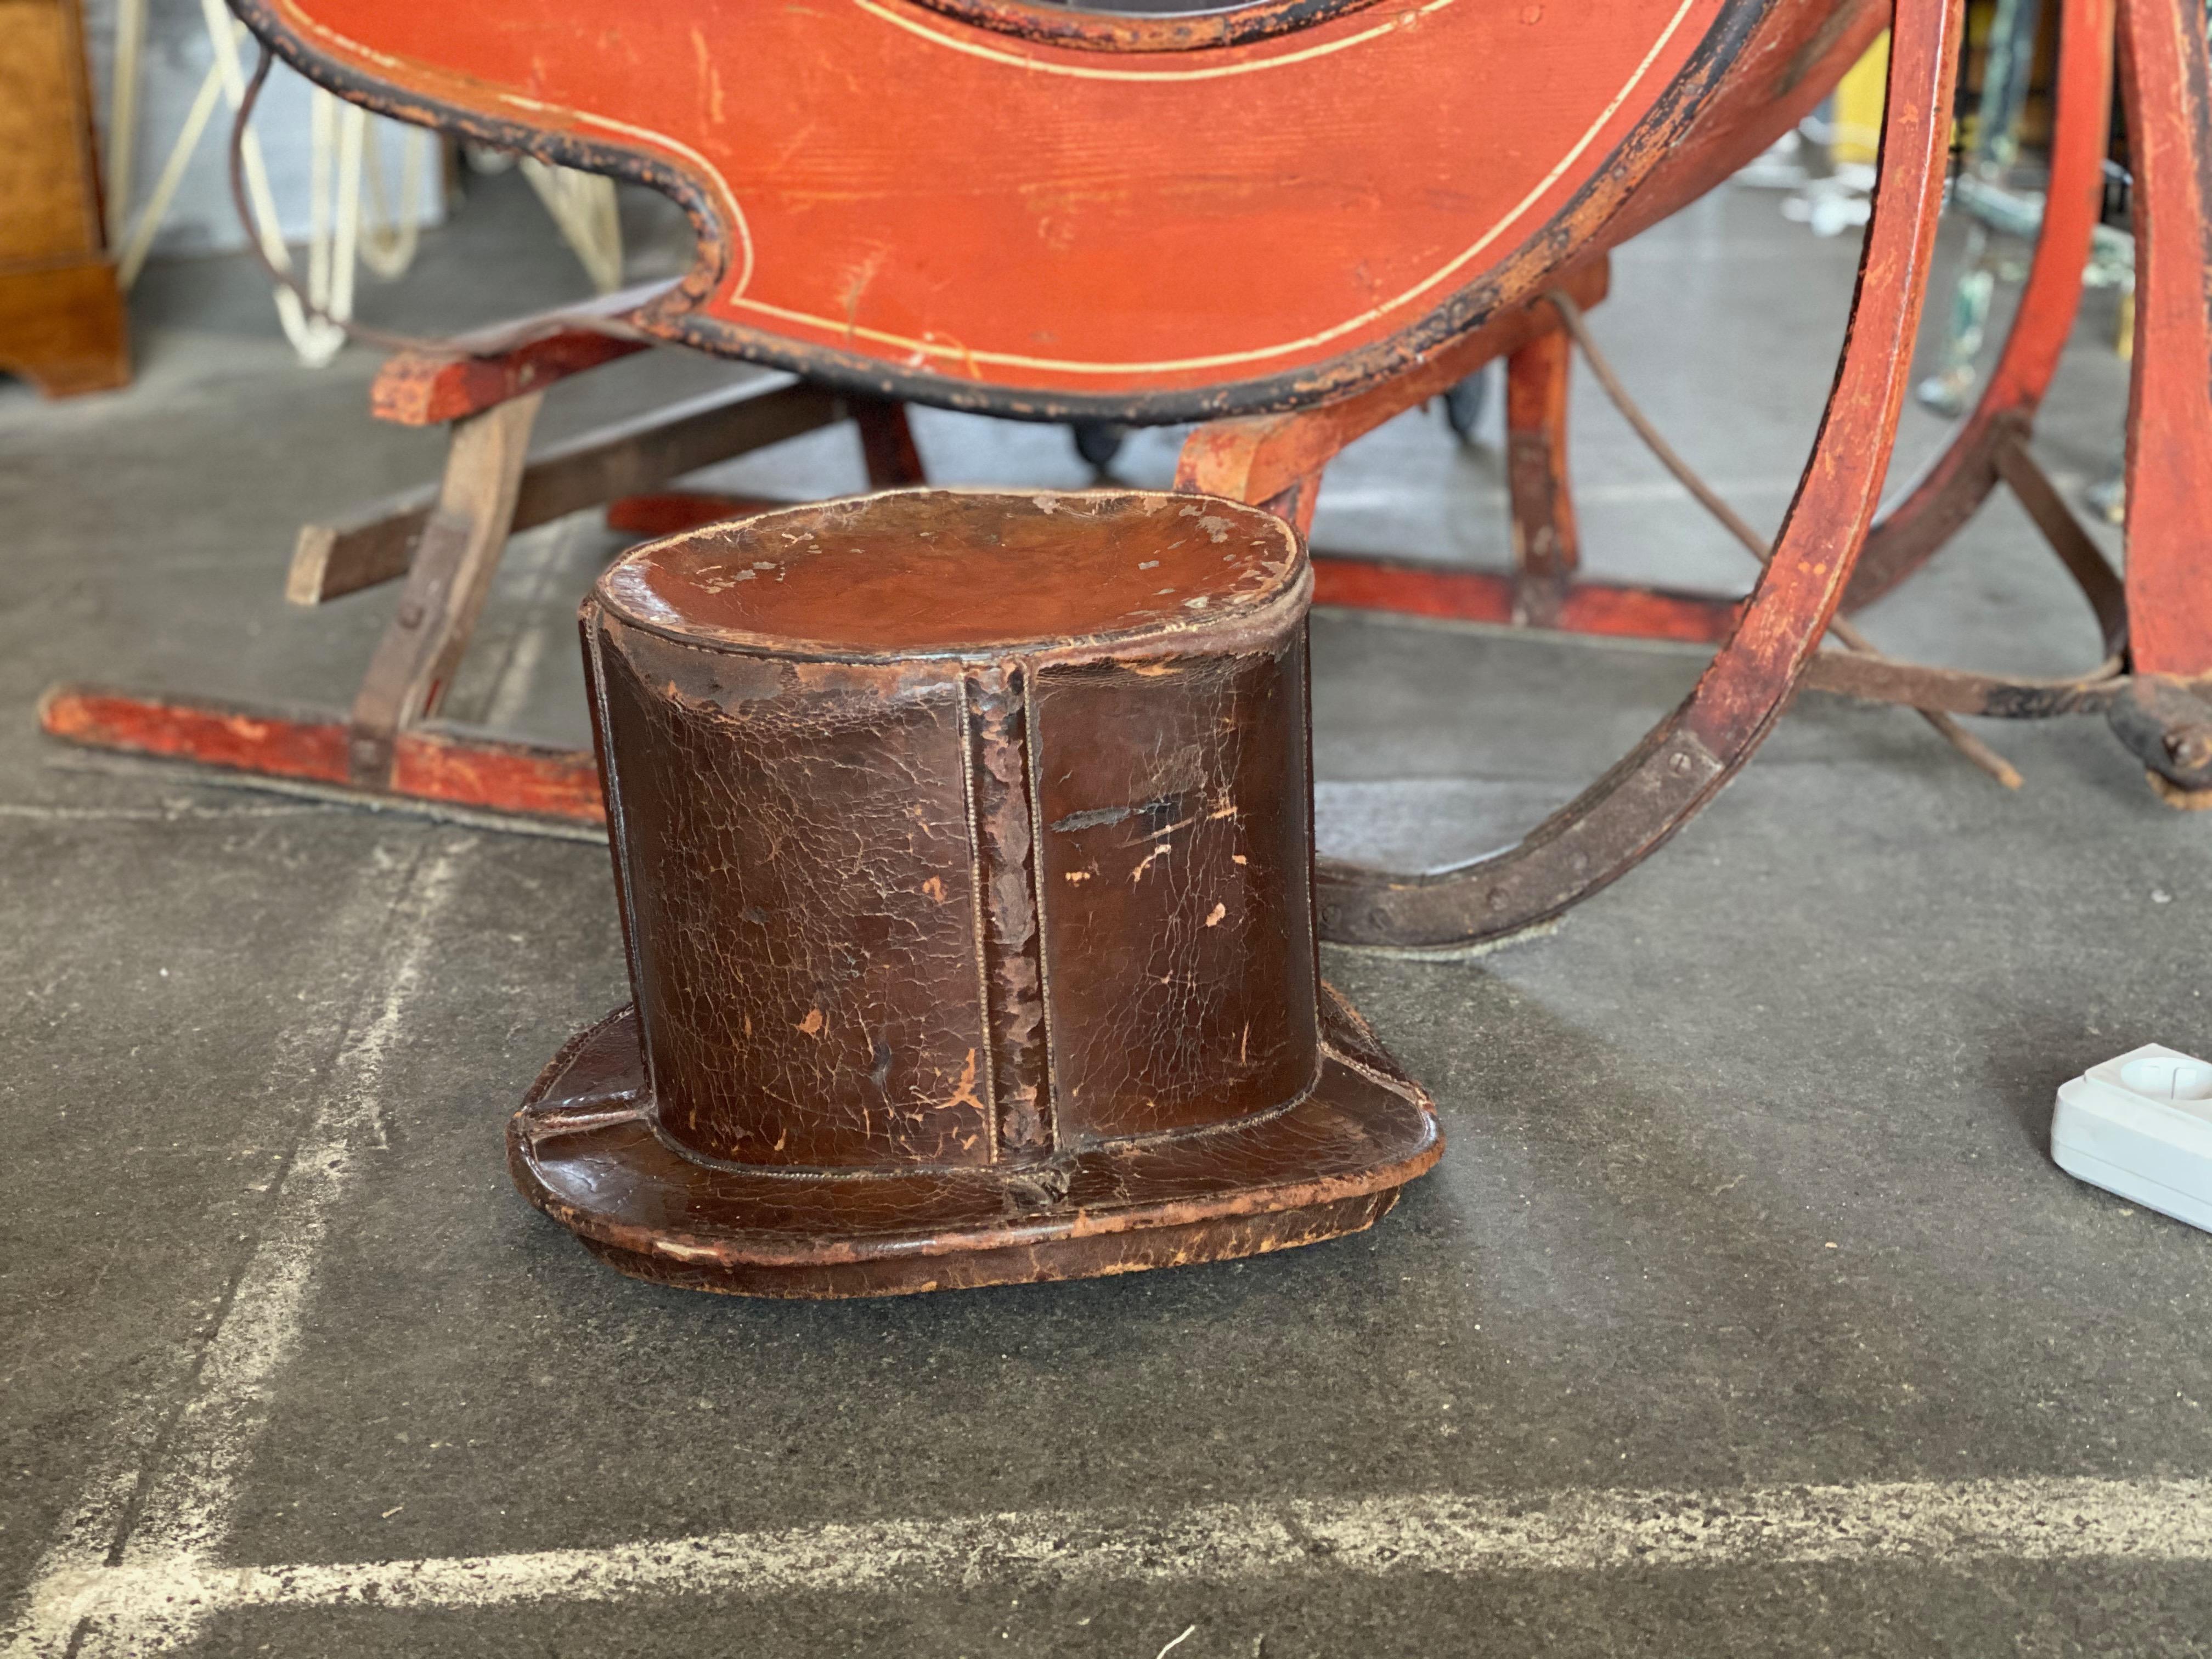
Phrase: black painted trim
(1098, 29)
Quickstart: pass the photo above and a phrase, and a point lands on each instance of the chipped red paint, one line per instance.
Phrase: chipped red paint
(497, 776)
(1418, 589)
(429, 763)
(213, 734)
(424, 388)
(896, 200)
(2169, 578)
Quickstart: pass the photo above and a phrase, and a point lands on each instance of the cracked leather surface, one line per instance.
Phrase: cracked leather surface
(963, 849)
(800, 887)
(1178, 931)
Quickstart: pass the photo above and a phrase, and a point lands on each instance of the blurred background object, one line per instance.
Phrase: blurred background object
(61, 318)
(345, 188)
(1995, 197)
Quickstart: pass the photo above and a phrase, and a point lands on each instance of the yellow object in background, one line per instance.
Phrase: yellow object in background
(1859, 95)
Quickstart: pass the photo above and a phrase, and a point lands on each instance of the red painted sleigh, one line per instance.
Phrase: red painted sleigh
(1290, 220)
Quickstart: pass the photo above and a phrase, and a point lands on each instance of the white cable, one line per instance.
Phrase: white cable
(316, 341)
(123, 115)
(132, 259)
(340, 144)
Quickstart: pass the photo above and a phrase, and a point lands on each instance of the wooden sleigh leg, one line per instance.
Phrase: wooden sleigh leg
(1952, 487)
(887, 446)
(1276, 460)
(1545, 550)
(446, 584)
(388, 746)
(1652, 793)
(487, 388)
(377, 543)
(446, 543)
(460, 544)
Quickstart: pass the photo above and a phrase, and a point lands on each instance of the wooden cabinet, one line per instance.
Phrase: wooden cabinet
(61, 315)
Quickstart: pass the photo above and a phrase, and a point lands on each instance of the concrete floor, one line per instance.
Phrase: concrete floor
(1748, 1219)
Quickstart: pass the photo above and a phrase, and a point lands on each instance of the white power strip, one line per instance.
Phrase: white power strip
(2141, 1126)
